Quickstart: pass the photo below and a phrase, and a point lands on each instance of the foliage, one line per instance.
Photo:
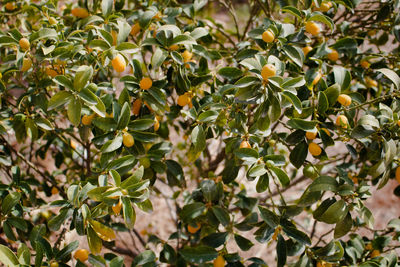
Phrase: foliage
(123, 99)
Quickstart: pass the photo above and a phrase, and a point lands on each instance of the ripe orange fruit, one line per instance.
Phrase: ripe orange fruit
(9, 6)
(245, 144)
(187, 56)
(313, 28)
(398, 121)
(307, 50)
(51, 72)
(24, 44)
(370, 83)
(156, 124)
(81, 254)
(314, 149)
(73, 144)
(311, 135)
(344, 100)
(157, 16)
(136, 106)
(375, 253)
(333, 55)
(127, 140)
(26, 64)
(135, 29)
(117, 207)
(118, 63)
(398, 174)
(267, 71)
(325, 6)
(365, 64)
(193, 229)
(145, 83)
(219, 261)
(80, 12)
(174, 47)
(369, 246)
(183, 100)
(52, 21)
(54, 190)
(54, 264)
(342, 121)
(317, 78)
(87, 119)
(268, 36)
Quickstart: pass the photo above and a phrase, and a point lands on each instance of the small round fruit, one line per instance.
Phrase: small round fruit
(174, 47)
(317, 78)
(87, 119)
(314, 149)
(307, 50)
(370, 83)
(193, 229)
(51, 72)
(398, 174)
(145, 83)
(127, 140)
(136, 106)
(342, 121)
(375, 253)
(52, 21)
(333, 55)
(187, 56)
(24, 44)
(310, 171)
(80, 12)
(81, 254)
(73, 144)
(313, 28)
(54, 190)
(219, 261)
(135, 29)
(183, 100)
(117, 208)
(245, 144)
(118, 63)
(311, 135)
(365, 64)
(369, 246)
(398, 121)
(26, 64)
(344, 100)
(325, 6)
(54, 264)
(268, 36)
(145, 162)
(267, 71)
(9, 6)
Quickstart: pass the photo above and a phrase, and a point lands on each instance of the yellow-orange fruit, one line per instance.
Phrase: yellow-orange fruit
(326, 131)
(317, 78)
(342, 121)
(136, 106)
(24, 44)
(193, 229)
(398, 174)
(127, 140)
(187, 56)
(80, 12)
(398, 121)
(375, 253)
(325, 6)
(365, 64)
(369, 246)
(174, 47)
(333, 55)
(156, 124)
(157, 16)
(268, 36)
(73, 144)
(87, 119)
(54, 190)
(26, 64)
(117, 207)
(9, 6)
(344, 100)
(81, 254)
(370, 83)
(307, 50)
(313, 28)
(219, 261)
(51, 72)
(118, 63)
(52, 21)
(183, 100)
(135, 29)
(314, 149)
(245, 144)
(267, 71)
(145, 83)
(54, 264)
(311, 135)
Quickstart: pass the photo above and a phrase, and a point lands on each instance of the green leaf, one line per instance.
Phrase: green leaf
(183, 40)
(294, 100)
(7, 257)
(112, 145)
(144, 257)
(88, 96)
(44, 33)
(221, 214)
(292, 10)
(198, 138)
(298, 235)
(324, 183)
(262, 183)
(304, 125)
(74, 111)
(82, 76)
(299, 154)
(230, 73)
(129, 213)
(200, 254)
(335, 212)
(269, 217)
(257, 170)
(247, 154)
(59, 99)
(192, 211)
(124, 117)
(282, 176)
(332, 93)
(9, 202)
(67, 250)
(323, 102)
(209, 189)
(243, 243)
(318, 16)
(64, 81)
(104, 232)
(281, 251)
(106, 7)
(392, 76)
(207, 116)
(158, 58)
(342, 77)
(56, 222)
(295, 54)
(215, 239)
(343, 227)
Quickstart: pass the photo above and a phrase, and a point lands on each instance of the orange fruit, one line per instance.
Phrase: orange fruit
(326, 131)
(135, 29)
(193, 229)
(174, 47)
(54, 190)
(136, 106)
(317, 78)
(325, 6)
(342, 121)
(268, 36)
(73, 144)
(187, 56)
(370, 83)
(183, 100)
(307, 50)
(369, 246)
(267, 71)
(314, 149)
(9, 6)
(245, 144)
(81, 254)
(344, 100)
(157, 16)
(127, 140)
(145, 83)
(118, 63)
(117, 207)
(87, 119)
(313, 28)
(311, 135)
(375, 253)
(333, 55)
(51, 72)
(26, 64)
(54, 264)
(156, 124)
(398, 174)
(52, 21)
(24, 44)
(365, 64)
(398, 121)
(80, 12)
(219, 261)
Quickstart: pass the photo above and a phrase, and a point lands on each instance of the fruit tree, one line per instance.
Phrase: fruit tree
(259, 129)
